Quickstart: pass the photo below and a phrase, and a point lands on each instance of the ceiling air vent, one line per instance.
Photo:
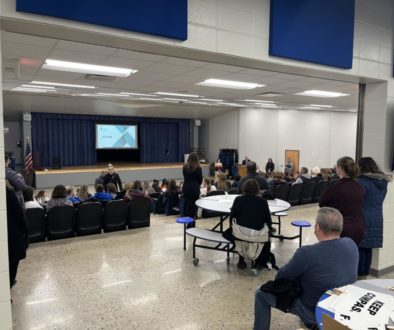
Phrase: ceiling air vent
(100, 77)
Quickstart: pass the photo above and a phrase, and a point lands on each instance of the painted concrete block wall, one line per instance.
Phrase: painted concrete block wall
(5, 304)
(321, 137)
(223, 133)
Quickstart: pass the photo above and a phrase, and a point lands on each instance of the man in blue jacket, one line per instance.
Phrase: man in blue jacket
(330, 263)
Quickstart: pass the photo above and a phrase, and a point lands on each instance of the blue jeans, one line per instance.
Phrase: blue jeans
(262, 311)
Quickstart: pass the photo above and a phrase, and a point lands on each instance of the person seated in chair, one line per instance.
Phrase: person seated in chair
(245, 161)
(58, 198)
(155, 186)
(236, 181)
(251, 168)
(83, 193)
(71, 196)
(207, 187)
(304, 176)
(111, 189)
(222, 184)
(328, 264)
(135, 191)
(250, 211)
(30, 202)
(101, 195)
(277, 179)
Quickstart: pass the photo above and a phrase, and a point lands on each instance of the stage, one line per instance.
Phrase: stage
(79, 175)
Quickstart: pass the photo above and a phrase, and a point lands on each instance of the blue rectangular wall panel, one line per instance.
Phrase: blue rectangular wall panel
(166, 18)
(317, 31)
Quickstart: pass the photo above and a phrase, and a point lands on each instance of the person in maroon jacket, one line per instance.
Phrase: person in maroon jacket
(347, 197)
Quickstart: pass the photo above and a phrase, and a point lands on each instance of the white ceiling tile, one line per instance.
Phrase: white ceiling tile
(84, 48)
(25, 51)
(67, 55)
(139, 56)
(168, 68)
(7, 37)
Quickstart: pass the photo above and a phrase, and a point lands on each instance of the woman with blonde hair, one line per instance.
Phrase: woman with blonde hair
(83, 193)
(207, 187)
(222, 184)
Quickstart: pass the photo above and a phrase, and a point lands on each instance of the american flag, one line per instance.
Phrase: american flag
(28, 158)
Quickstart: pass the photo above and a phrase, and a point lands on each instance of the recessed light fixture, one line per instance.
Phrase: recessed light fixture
(66, 66)
(318, 93)
(177, 94)
(61, 85)
(38, 86)
(211, 100)
(174, 99)
(111, 94)
(229, 84)
(197, 102)
(321, 105)
(310, 108)
(138, 94)
(32, 90)
(259, 101)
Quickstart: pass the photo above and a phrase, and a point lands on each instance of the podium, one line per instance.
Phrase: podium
(242, 171)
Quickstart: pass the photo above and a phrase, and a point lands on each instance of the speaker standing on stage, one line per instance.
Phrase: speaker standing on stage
(192, 175)
(113, 177)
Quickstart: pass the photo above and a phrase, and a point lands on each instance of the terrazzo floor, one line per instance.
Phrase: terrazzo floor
(143, 279)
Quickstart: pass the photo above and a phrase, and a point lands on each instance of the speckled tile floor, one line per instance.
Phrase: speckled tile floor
(142, 279)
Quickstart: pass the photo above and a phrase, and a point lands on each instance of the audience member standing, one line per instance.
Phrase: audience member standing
(113, 177)
(15, 179)
(192, 175)
(270, 166)
(252, 174)
(58, 198)
(347, 197)
(18, 232)
(374, 182)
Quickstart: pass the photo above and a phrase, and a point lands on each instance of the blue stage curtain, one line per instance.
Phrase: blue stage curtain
(72, 138)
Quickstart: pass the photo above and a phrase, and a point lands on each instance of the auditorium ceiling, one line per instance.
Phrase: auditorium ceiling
(23, 57)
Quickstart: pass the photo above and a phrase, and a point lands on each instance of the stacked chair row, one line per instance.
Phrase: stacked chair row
(302, 193)
(90, 218)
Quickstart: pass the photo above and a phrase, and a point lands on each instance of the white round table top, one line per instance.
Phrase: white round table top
(223, 204)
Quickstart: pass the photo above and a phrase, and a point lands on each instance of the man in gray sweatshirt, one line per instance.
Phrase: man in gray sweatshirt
(328, 264)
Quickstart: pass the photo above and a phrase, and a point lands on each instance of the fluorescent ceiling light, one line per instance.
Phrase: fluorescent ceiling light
(259, 101)
(321, 105)
(231, 104)
(228, 84)
(318, 93)
(310, 108)
(177, 94)
(211, 100)
(150, 99)
(173, 99)
(197, 102)
(111, 94)
(138, 94)
(38, 86)
(87, 68)
(33, 90)
(62, 85)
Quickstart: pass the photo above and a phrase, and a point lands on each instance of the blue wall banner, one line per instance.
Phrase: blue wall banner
(166, 18)
(317, 31)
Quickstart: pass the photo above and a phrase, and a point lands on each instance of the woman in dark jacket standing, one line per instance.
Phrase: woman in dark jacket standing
(18, 233)
(347, 197)
(270, 166)
(192, 175)
(374, 182)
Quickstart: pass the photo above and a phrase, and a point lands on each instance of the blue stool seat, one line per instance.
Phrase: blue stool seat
(300, 223)
(185, 221)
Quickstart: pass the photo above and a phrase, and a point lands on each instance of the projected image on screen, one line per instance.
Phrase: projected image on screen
(116, 136)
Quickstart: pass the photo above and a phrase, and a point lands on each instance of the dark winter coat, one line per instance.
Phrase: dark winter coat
(18, 232)
(375, 187)
(347, 197)
(115, 179)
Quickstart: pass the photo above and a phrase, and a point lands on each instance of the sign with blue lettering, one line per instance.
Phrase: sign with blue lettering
(317, 31)
(158, 17)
